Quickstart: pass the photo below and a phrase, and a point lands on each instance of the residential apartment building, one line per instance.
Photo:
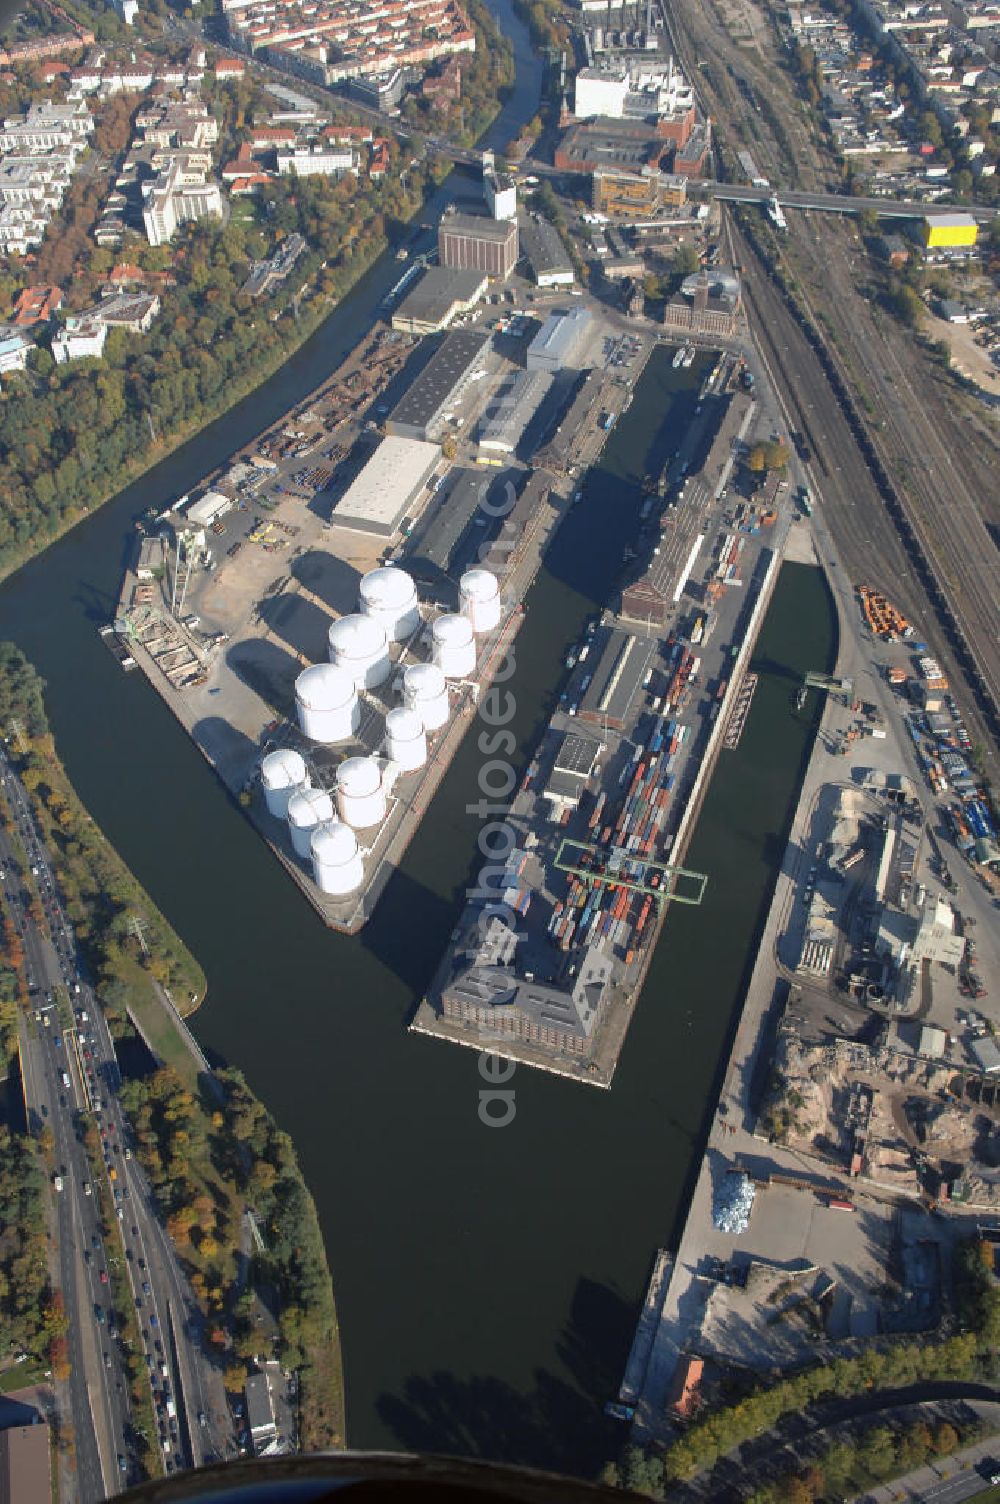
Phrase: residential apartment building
(38, 153)
(15, 347)
(311, 161)
(45, 127)
(81, 338)
(173, 198)
(331, 41)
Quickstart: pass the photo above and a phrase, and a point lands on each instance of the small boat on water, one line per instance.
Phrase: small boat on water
(678, 358)
(118, 646)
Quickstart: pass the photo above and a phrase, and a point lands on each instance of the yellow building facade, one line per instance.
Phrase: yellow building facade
(949, 231)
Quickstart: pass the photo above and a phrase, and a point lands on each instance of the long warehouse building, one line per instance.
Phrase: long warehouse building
(388, 487)
(625, 667)
(558, 339)
(420, 411)
(438, 298)
(514, 404)
(441, 545)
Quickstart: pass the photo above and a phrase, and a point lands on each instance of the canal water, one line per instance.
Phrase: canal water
(487, 1280)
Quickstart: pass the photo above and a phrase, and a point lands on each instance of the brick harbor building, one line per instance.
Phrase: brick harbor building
(471, 242)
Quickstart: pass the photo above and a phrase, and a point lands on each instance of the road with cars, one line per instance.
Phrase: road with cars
(71, 1078)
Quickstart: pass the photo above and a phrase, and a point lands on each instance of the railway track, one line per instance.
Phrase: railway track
(909, 471)
(934, 494)
(870, 535)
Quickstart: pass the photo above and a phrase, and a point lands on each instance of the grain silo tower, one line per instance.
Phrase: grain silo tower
(405, 739)
(305, 812)
(426, 691)
(454, 646)
(337, 865)
(326, 699)
(479, 593)
(360, 797)
(389, 596)
(282, 773)
(359, 645)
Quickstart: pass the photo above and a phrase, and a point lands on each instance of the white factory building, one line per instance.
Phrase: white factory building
(600, 92)
(500, 190)
(390, 483)
(641, 88)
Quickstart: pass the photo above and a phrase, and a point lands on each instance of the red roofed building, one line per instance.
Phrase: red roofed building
(445, 85)
(265, 136)
(54, 68)
(347, 133)
(229, 67)
(36, 305)
(379, 164)
(241, 164)
(686, 1387)
(126, 275)
(252, 183)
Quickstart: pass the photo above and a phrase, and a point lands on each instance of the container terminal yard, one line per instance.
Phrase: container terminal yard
(547, 960)
(325, 611)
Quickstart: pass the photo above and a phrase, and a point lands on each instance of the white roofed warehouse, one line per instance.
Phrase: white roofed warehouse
(390, 483)
(557, 340)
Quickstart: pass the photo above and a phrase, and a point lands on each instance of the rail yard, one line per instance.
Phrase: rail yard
(901, 405)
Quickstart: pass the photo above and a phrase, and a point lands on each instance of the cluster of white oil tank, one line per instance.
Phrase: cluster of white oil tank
(283, 773)
(327, 698)
(327, 694)
(336, 858)
(389, 596)
(405, 739)
(453, 646)
(479, 597)
(425, 691)
(360, 646)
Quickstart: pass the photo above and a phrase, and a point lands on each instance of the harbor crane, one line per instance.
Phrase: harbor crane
(614, 867)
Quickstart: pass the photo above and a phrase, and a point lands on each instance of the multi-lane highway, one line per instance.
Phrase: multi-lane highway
(95, 1393)
(71, 1077)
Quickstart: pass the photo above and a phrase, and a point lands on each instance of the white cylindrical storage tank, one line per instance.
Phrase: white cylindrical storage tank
(389, 596)
(359, 645)
(360, 799)
(479, 592)
(283, 773)
(426, 692)
(405, 738)
(337, 864)
(454, 646)
(327, 703)
(305, 811)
